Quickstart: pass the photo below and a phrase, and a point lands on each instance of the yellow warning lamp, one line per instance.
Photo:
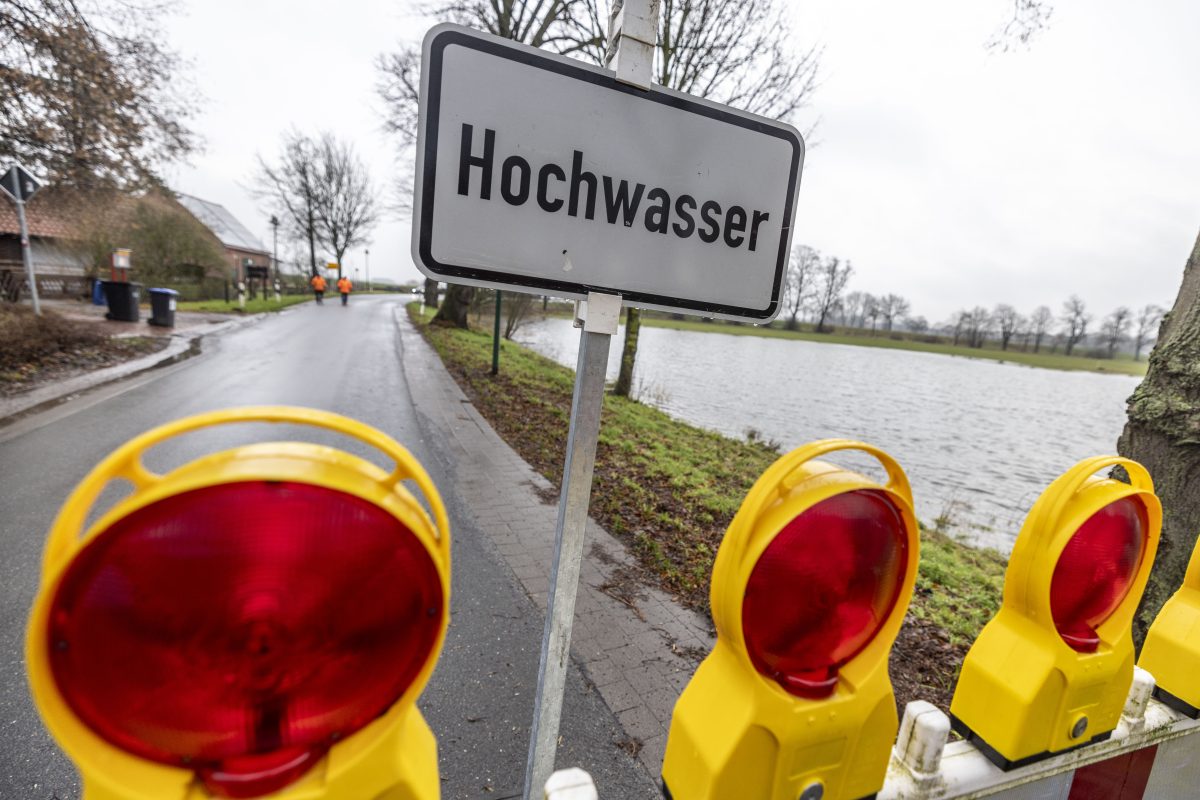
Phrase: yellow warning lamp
(256, 622)
(1171, 652)
(809, 588)
(1051, 671)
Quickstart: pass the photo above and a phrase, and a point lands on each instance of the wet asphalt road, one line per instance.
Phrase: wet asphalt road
(479, 701)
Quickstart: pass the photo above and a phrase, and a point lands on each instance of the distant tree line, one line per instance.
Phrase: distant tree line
(1121, 329)
(815, 291)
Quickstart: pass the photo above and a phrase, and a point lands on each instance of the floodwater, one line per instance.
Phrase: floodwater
(978, 439)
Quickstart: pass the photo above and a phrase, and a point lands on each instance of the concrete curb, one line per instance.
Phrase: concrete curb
(181, 347)
(636, 644)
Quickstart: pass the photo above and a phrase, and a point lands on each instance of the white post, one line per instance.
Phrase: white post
(571, 784)
(26, 252)
(632, 37)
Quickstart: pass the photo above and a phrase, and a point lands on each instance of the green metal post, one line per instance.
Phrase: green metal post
(496, 338)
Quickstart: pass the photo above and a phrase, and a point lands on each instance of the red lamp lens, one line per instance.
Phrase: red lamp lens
(823, 588)
(241, 629)
(1096, 570)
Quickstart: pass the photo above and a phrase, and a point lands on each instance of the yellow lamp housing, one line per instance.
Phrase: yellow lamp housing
(1171, 652)
(1051, 671)
(809, 589)
(218, 632)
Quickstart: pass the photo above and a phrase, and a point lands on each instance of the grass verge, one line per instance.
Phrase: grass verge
(669, 490)
(256, 306)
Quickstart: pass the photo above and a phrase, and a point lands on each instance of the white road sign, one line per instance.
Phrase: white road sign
(540, 173)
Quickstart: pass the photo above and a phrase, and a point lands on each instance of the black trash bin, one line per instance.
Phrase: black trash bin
(123, 300)
(162, 307)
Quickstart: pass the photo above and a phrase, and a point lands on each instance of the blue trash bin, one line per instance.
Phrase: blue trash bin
(98, 292)
(162, 307)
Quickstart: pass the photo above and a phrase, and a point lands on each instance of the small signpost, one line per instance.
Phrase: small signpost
(120, 265)
(538, 173)
(20, 186)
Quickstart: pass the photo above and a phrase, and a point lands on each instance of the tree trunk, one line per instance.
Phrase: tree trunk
(633, 323)
(431, 293)
(1163, 433)
(312, 247)
(453, 311)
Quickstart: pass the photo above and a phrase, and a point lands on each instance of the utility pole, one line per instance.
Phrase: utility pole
(274, 258)
(368, 259)
(275, 245)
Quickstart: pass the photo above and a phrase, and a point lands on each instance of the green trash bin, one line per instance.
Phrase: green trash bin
(123, 299)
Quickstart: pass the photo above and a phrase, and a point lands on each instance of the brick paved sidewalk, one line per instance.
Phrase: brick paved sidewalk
(638, 650)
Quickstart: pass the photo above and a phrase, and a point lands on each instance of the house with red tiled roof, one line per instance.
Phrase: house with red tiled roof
(51, 228)
(68, 236)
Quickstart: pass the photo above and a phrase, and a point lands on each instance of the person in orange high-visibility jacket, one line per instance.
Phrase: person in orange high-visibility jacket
(344, 286)
(318, 285)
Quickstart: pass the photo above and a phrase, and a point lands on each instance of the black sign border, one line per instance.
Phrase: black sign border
(433, 102)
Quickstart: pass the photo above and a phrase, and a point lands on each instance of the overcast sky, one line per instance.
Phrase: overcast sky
(945, 172)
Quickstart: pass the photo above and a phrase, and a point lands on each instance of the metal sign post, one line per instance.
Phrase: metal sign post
(20, 185)
(597, 317)
(539, 173)
(600, 313)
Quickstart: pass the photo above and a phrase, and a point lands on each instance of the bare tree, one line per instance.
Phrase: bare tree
(88, 96)
(738, 52)
(1008, 320)
(917, 325)
(978, 323)
(293, 188)
(346, 205)
(564, 26)
(831, 282)
(516, 309)
(892, 306)
(1039, 322)
(1075, 320)
(851, 309)
(958, 323)
(1162, 432)
(1029, 18)
(1147, 319)
(1114, 328)
(872, 310)
(798, 289)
